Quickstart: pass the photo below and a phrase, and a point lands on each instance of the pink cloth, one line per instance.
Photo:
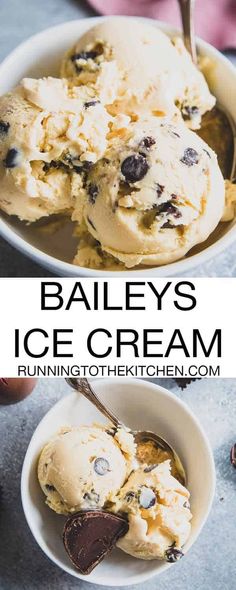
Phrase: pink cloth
(215, 19)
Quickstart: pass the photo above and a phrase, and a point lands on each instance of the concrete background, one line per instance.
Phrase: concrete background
(18, 20)
(211, 561)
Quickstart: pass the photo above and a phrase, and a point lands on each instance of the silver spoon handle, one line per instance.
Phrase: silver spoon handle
(186, 10)
(83, 386)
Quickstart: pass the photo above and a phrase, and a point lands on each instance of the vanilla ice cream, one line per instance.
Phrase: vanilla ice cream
(157, 193)
(49, 133)
(142, 68)
(83, 468)
(158, 513)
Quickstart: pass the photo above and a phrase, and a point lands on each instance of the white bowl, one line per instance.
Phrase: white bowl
(41, 55)
(141, 405)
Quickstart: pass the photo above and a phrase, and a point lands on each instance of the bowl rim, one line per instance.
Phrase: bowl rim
(64, 268)
(28, 461)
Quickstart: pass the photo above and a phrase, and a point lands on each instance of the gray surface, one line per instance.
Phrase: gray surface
(18, 20)
(209, 564)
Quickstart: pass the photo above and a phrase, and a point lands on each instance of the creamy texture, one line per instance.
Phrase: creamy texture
(157, 192)
(83, 468)
(158, 512)
(144, 70)
(49, 134)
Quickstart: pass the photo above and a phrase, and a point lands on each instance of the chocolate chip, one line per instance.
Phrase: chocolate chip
(84, 55)
(112, 431)
(101, 466)
(92, 497)
(233, 456)
(189, 112)
(190, 157)
(4, 127)
(57, 164)
(147, 142)
(169, 208)
(92, 192)
(50, 488)
(159, 189)
(147, 498)
(11, 160)
(91, 103)
(130, 496)
(150, 468)
(172, 554)
(168, 225)
(134, 167)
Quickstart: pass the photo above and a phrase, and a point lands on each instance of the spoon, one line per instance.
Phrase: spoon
(187, 17)
(140, 436)
(186, 10)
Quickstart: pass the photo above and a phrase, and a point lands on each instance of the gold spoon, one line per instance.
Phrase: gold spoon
(140, 436)
(187, 17)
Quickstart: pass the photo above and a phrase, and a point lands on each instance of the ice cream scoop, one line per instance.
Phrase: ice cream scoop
(157, 193)
(142, 67)
(83, 386)
(83, 468)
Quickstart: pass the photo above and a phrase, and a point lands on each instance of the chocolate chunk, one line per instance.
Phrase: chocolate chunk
(159, 189)
(147, 498)
(4, 127)
(147, 142)
(134, 167)
(91, 103)
(188, 112)
(92, 192)
(233, 456)
(101, 466)
(130, 496)
(90, 535)
(11, 160)
(169, 208)
(172, 554)
(190, 157)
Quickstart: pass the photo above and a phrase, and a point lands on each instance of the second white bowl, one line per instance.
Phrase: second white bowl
(141, 405)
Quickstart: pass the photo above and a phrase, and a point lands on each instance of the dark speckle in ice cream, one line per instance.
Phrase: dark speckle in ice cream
(4, 127)
(91, 223)
(159, 189)
(93, 191)
(169, 208)
(190, 157)
(12, 158)
(134, 167)
(147, 142)
(91, 103)
(50, 488)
